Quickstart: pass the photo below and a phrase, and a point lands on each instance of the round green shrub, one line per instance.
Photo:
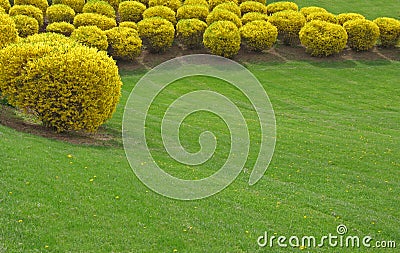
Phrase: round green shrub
(344, 17)
(91, 36)
(157, 33)
(63, 28)
(322, 38)
(67, 85)
(222, 38)
(281, 6)
(258, 35)
(25, 25)
(260, 1)
(160, 11)
(89, 19)
(5, 4)
(60, 13)
(41, 4)
(253, 16)
(131, 11)
(311, 9)
(76, 5)
(129, 24)
(389, 31)
(124, 43)
(189, 32)
(99, 7)
(196, 2)
(289, 24)
(192, 11)
(229, 6)
(113, 3)
(27, 10)
(8, 31)
(172, 4)
(253, 6)
(322, 16)
(362, 34)
(214, 3)
(223, 15)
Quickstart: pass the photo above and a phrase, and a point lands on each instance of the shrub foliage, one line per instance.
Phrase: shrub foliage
(189, 32)
(192, 11)
(131, 11)
(223, 15)
(259, 35)
(362, 34)
(63, 28)
(91, 36)
(252, 16)
(27, 10)
(124, 43)
(389, 31)
(8, 31)
(60, 13)
(281, 6)
(99, 7)
(157, 33)
(222, 38)
(289, 24)
(160, 11)
(25, 25)
(89, 19)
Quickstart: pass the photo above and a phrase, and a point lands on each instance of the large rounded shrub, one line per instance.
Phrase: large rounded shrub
(27, 10)
(281, 6)
(160, 11)
(322, 16)
(124, 43)
(196, 2)
(289, 24)
(60, 13)
(222, 38)
(63, 28)
(25, 25)
(253, 6)
(172, 4)
(189, 32)
(229, 6)
(323, 38)
(76, 5)
(259, 35)
(253, 16)
(260, 1)
(344, 17)
(41, 4)
(8, 31)
(66, 85)
(129, 24)
(311, 9)
(192, 11)
(131, 11)
(389, 31)
(362, 34)
(89, 19)
(223, 15)
(157, 33)
(5, 4)
(99, 7)
(91, 36)
(214, 3)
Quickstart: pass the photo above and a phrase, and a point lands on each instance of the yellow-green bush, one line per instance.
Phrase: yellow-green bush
(67, 85)
(214, 3)
(76, 5)
(160, 11)
(189, 32)
(222, 38)
(2, 11)
(259, 35)
(25, 25)
(322, 38)
(5, 4)
(157, 33)
(63, 28)
(192, 11)
(223, 15)
(311, 9)
(389, 31)
(289, 24)
(41, 4)
(99, 7)
(323, 16)
(131, 11)
(113, 3)
(196, 2)
(8, 31)
(253, 16)
(281, 6)
(253, 6)
(129, 24)
(172, 4)
(260, 1)
(27, 10)
(124, 43)
(229, 6)
(362, 34)
(344, 17)
(89, 19)
(91, 36)
(60, 13)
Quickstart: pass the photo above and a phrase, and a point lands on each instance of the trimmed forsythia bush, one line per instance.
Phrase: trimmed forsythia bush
(131, 11)
(124, 43)
(362, 34)
(160, 11)
(322, 16)
(76, 5)
(99, 7)
(281, 6)
(5, 4)
(311, 9)
(27, 10)
(63, 28)
(25, 25)
(8, 31)
(222, 38)
(230, 6)
(129, 24)
(322, 38)
(60, 13)
(289, 24)
(389, 31)
(259, 35)
(252, 16)
(196, 2)
(192, 11)
(253, 6)
(91, 36)
(223, 15)
(172, 4)
(157, 33)
(88, 19)
(344, 17)
(214, 3)
(189, 32)
(41, 4)
(66, 85)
